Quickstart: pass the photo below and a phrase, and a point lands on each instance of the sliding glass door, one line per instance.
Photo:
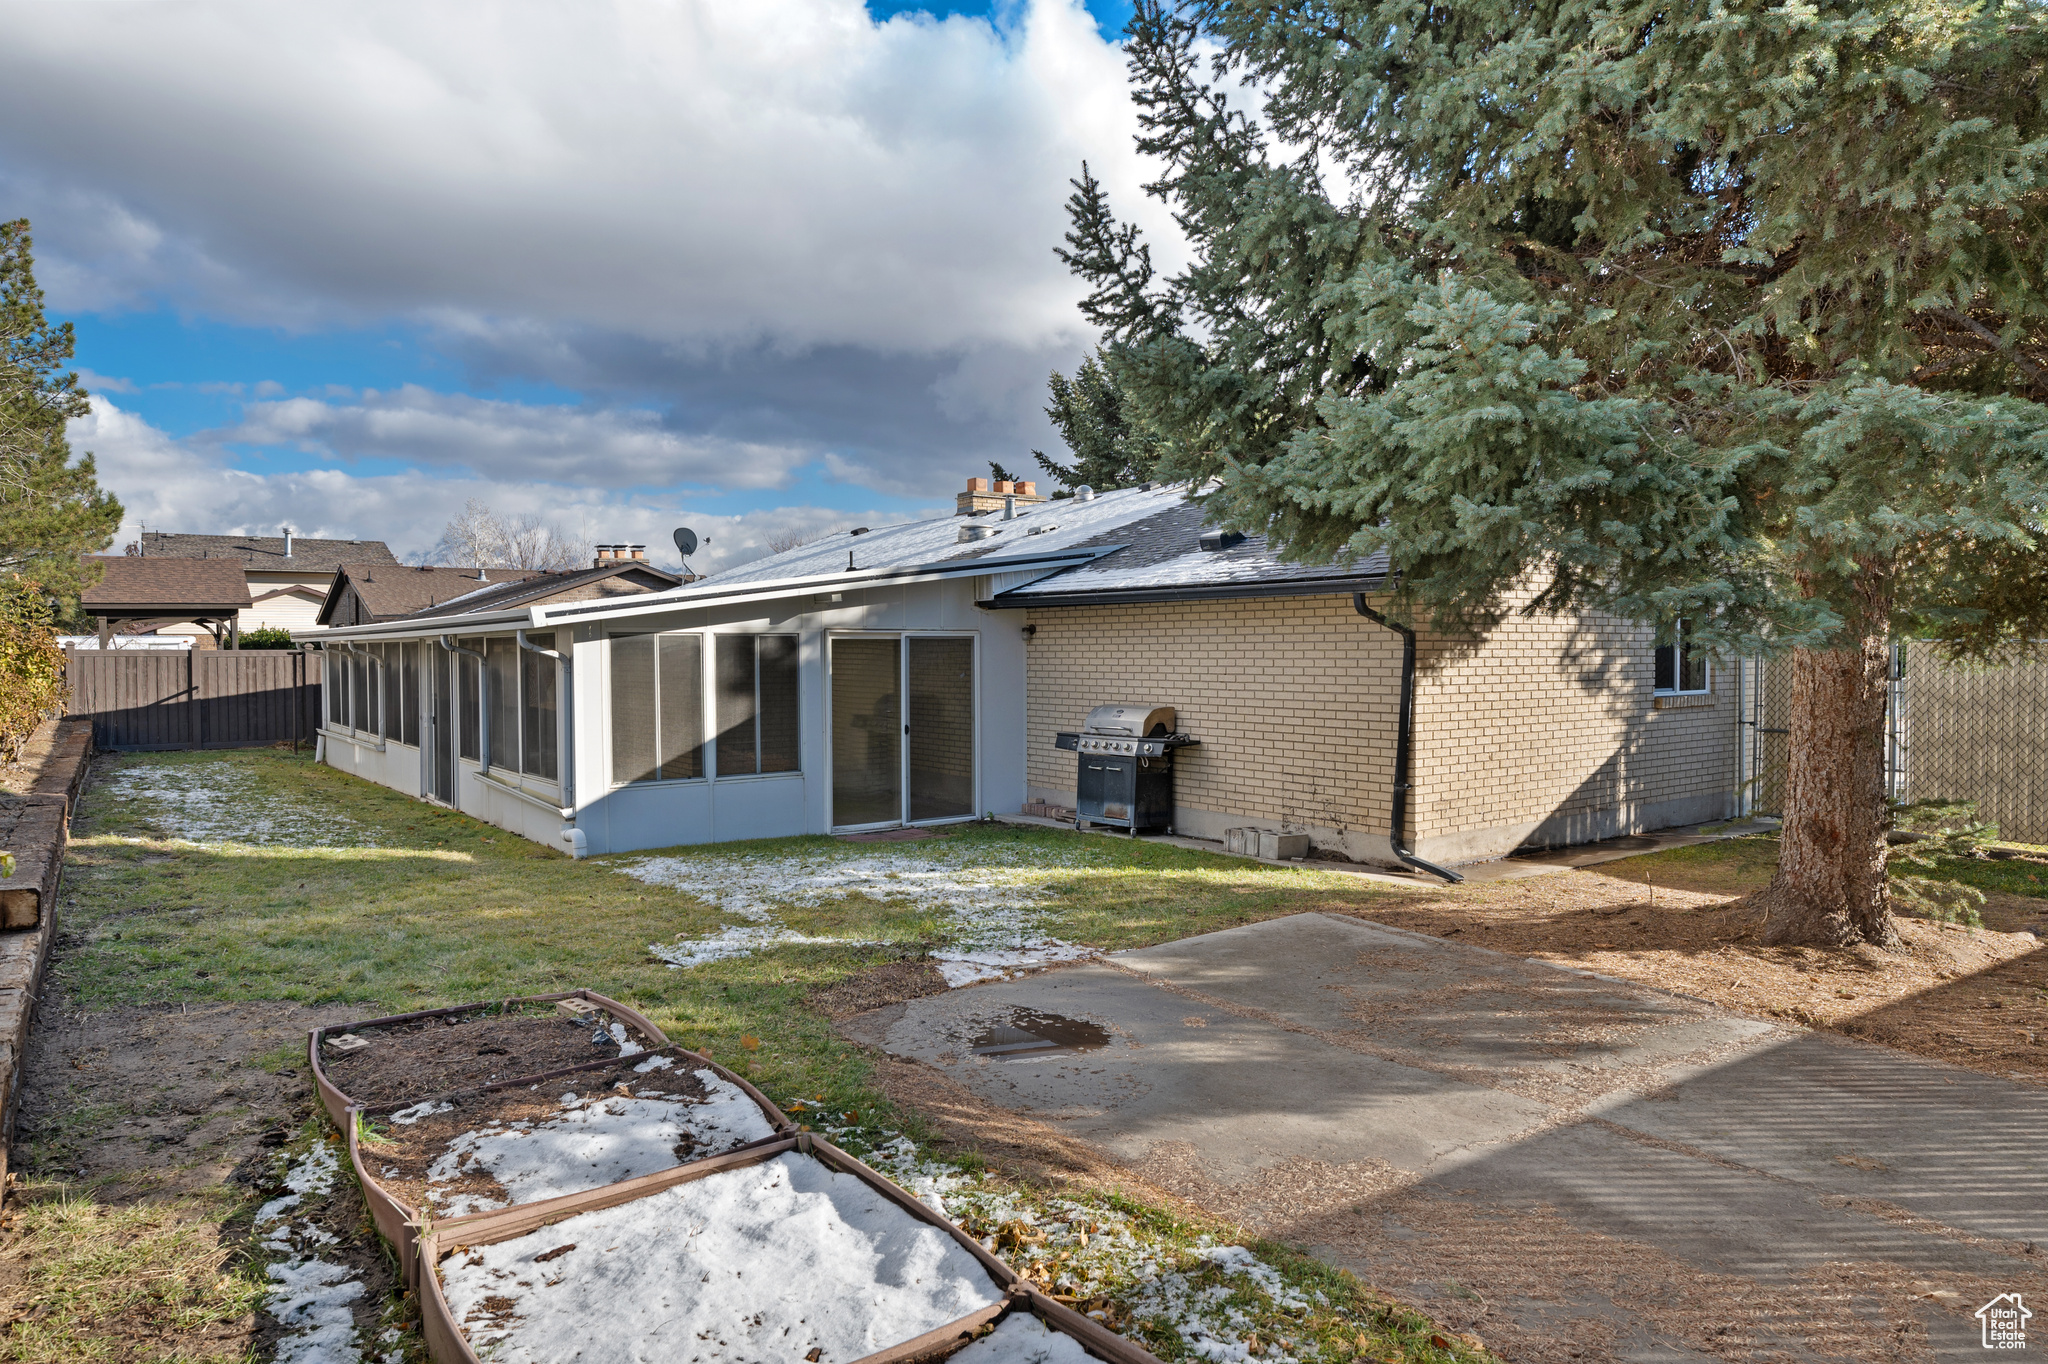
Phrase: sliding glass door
(898, 763)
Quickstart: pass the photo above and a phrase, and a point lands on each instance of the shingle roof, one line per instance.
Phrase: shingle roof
(624, 578)
(388, 591)
(265, 553)
(136, 586)
(1161, 557)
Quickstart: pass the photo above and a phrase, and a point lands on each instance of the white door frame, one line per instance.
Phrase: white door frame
(902, 638)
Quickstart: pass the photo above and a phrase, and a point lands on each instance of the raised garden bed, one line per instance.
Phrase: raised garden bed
(405, 1058)
(793, 1250)
(447, 1160)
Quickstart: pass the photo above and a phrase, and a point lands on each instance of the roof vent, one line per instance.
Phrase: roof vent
(1084, 493)
(1214, 540)
(858, 530)
(971, 531)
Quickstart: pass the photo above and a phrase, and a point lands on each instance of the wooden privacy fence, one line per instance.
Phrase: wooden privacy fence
(192, 698)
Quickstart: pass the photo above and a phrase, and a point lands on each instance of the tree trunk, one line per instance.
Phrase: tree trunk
(1830, 890)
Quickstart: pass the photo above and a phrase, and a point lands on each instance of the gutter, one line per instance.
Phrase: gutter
(483, 703)
(1020, 598)
(1404, 741)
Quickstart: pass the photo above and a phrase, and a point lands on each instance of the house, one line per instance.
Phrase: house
(365, 594)
(288, 576)
(206, 595)
(921, 673)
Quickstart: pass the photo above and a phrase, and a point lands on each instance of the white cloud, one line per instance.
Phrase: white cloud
(606, 448)
(696, 172)
(189, 486)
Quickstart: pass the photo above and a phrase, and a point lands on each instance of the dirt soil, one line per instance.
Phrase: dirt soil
(435, 1056)
(145, 1104)
(17, 777)
(896, 983)
(401, 1154)
(1971, 997)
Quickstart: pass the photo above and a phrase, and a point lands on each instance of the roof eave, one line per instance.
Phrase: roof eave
(405, 627)
(655, 603)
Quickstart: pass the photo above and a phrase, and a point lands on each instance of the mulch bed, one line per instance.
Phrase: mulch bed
(400, 1155)
(431, 1056)
(1972, 997)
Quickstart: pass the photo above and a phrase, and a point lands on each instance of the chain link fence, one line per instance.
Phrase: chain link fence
(1952, 732)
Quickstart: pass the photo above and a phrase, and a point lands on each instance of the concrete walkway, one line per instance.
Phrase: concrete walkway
(1568, 1166)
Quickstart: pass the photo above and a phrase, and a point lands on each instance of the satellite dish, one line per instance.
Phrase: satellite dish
(686, 541)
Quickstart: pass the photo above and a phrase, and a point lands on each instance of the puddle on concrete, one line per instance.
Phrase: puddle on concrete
(1027, 1034)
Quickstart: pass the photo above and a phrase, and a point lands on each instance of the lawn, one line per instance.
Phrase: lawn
(232, 886)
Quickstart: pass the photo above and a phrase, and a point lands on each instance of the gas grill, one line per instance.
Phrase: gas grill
(1126, 766)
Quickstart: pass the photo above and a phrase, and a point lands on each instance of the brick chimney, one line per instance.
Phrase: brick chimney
(985, 495)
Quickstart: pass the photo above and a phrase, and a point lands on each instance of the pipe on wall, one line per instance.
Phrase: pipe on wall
(483, 703)
(1404, 742)
(568, 712)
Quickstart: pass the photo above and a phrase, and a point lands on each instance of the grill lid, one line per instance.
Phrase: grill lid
(1131, 719)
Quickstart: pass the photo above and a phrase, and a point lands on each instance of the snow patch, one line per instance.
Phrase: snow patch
(215, 802)
(992, 899)
(775, 1260)
(312, 1296)
(603, 1140)
(1021, 1338)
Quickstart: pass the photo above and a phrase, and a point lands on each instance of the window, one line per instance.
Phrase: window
(391, 657)
(757, 704)
(537, 709)
(334, 673)
(466, 673)
(657, 707)
(501, 661)
(1680, 667)
(408, 690)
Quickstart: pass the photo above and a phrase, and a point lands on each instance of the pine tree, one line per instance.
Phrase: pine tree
(1088, 411)
(1717, 310)
(52, 510)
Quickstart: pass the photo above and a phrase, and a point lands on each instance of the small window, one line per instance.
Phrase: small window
(335, 675)
(757, 704)
(501, 663)
(409, 693)
(1680, 667)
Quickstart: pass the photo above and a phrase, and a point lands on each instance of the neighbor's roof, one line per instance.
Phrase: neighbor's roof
(620, 578)
(131, 585)
(265, 553)
(1161, 559)
(388, 591)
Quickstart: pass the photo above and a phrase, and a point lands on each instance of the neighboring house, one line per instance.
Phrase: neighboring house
(207, 595)
(288, 575)
(367, 594)
(920, 673)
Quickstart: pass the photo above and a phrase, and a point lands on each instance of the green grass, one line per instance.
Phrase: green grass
(444, 910)
(1736, 866)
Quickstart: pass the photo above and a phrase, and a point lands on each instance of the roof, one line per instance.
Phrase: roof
(1040, 528)
(1161, 559)
(265, 553)
(623, 578)
(135, 586)
(388, 591)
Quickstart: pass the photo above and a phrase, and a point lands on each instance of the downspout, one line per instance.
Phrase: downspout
(483, 704)
(573, 836)
(1404, 742)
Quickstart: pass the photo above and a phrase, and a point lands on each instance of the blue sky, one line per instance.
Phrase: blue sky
(762, 269)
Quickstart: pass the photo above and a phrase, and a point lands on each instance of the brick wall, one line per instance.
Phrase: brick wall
(1294, 698)
(1550, 732)
(1547, 731)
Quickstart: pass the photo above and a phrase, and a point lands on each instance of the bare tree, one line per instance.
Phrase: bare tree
(478, 536)
(782, 541)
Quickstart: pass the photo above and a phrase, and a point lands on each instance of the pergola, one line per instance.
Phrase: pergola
(208, 592)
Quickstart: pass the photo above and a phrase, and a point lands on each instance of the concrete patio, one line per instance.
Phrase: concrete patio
(1570, 1167)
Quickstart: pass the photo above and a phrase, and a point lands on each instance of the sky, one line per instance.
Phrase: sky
(753, 268)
